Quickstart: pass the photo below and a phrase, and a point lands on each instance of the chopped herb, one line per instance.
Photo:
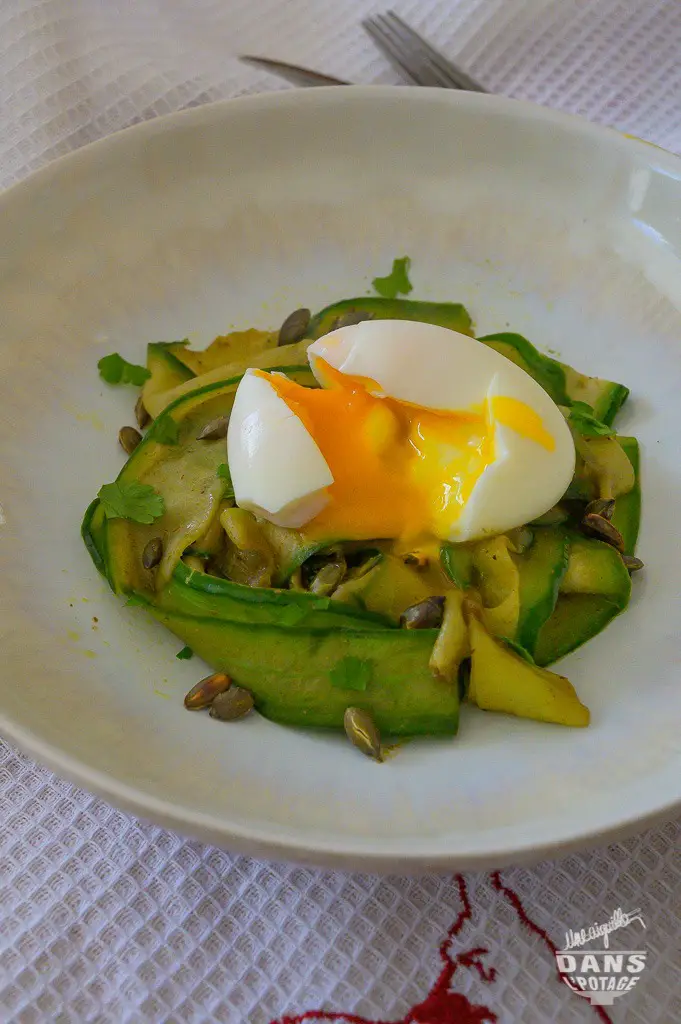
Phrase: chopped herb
(582, 418)
(224, 474)
(352, 674)
(322, 604)
(165, 430)
(291, 615)
(397, 281)
(133, 500)
(114, 369)
(135, 601)
(185, 654)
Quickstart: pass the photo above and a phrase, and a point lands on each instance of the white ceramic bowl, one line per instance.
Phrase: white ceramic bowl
(234, 214)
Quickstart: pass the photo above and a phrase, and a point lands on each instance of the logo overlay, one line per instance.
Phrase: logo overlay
(601, 974)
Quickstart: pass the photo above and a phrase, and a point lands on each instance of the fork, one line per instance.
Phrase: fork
(414, 56)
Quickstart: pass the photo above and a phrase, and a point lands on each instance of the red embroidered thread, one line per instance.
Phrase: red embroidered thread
(442, 1006)
(516, 903)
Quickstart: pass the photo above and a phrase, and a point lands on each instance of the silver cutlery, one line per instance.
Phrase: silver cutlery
(412, 55)
(292, 72)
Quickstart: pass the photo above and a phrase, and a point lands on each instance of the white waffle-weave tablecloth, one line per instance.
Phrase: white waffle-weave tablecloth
(104, 918)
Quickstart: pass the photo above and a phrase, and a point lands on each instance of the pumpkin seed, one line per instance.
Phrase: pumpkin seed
(417, 560)
(129, 438)
(329, 574)
(153, 553)
(141, 414)
(327, 579)
(604, 507)
(215, 430)
(206, 690)
(232, 704)
(424, 615)
(632, 563)
(598, 526)
(363, 733)
(294, 326)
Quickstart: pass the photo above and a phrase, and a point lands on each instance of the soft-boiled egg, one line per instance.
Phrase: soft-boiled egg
(417, 430)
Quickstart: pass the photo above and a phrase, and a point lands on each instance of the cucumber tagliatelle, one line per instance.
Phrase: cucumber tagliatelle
(279, 612)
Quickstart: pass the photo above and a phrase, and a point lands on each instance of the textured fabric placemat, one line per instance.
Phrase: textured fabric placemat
(107, 919)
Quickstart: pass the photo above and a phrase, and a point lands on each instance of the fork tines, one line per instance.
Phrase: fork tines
(414, 56)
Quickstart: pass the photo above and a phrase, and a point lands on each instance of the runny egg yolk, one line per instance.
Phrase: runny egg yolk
(399, 470)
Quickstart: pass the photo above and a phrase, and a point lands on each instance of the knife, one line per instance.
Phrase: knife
(291, 72)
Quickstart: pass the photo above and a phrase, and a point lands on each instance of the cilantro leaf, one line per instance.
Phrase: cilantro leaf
(397, 281)
(582, 418)
(185, 654)
(165, 430)
(224, 474)
(291, 615)
(114, 369)
(133, 500)
(352, 673)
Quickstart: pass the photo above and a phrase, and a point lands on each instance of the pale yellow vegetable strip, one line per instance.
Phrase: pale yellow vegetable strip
(286, 355)
(452, 643)
(502, 681)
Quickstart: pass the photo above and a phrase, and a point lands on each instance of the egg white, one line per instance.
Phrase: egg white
(277, 469)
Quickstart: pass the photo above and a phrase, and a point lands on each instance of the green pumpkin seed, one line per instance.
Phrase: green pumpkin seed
(363, 733)
(215, 430)
(233, 704)
(294, 326)
(153, 553)
(206, 690)
(141, 415)
(599, 527)
(424, 615)
(327, 579)
(129, 438)
(604, 507)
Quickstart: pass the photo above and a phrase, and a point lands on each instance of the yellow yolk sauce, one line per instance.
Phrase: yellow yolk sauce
(522, 418)
(400, 470)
